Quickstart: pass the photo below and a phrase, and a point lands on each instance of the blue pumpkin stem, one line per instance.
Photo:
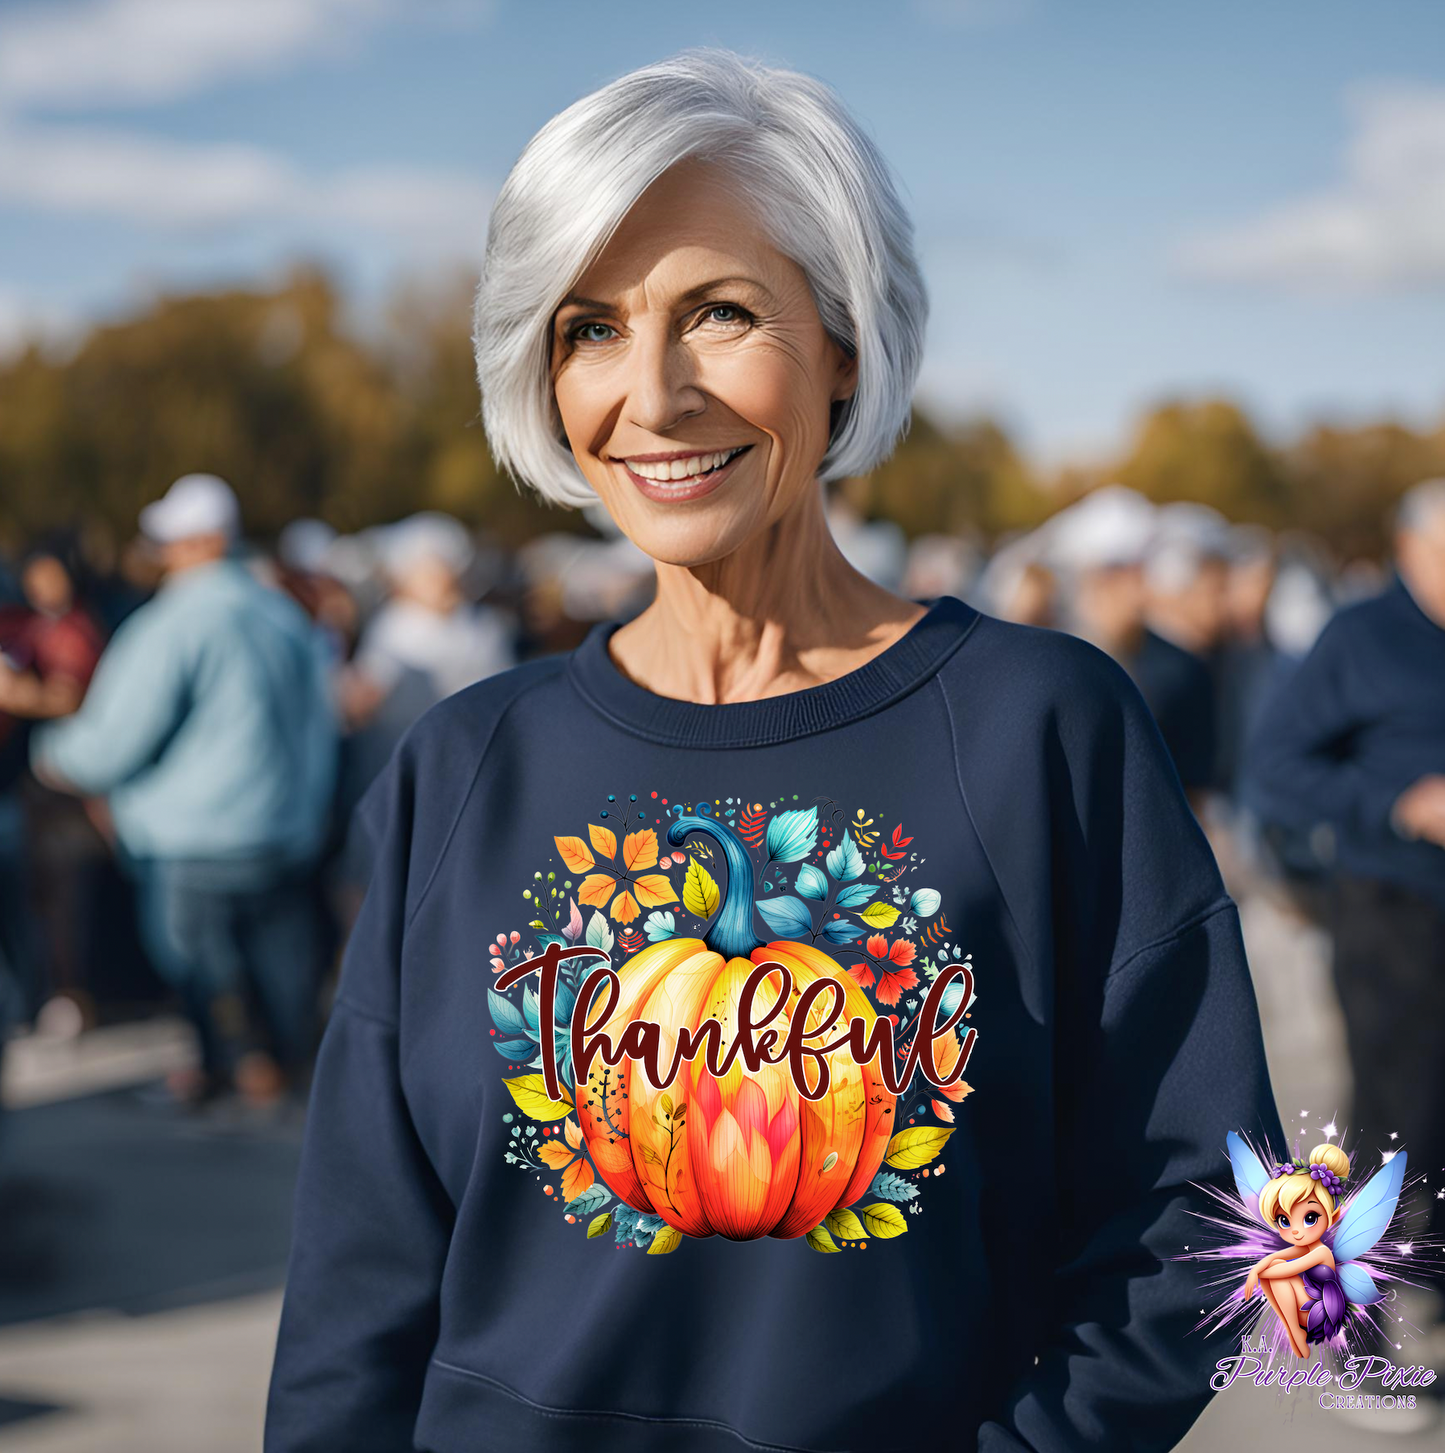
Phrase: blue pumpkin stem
(731, 931)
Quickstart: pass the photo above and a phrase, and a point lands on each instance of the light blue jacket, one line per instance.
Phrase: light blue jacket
(209, 724)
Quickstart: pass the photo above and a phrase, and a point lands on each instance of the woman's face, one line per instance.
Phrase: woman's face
(692, 334)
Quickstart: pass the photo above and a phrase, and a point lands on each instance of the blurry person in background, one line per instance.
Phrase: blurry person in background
(1016, 584)
(210, 729)
(1099, 545)
(59, 641)
(1186, 578)
(1352, 747)
(303, 571)
(427, 641)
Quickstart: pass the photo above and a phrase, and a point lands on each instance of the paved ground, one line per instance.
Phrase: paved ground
(142, 1252)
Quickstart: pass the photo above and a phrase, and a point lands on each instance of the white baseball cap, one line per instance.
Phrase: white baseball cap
(196, 504)
(1109, 526)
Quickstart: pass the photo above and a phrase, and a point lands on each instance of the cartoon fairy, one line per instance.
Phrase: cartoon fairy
(1312, 1283)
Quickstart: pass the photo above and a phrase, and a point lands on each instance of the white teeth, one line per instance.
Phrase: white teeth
(668, 470)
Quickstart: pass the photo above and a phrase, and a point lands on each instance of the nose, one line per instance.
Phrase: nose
(661, 384)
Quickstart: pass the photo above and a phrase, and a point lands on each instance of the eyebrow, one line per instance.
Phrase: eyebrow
(574, 299)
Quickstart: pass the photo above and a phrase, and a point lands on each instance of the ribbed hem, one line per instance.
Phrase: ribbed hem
(895, 671)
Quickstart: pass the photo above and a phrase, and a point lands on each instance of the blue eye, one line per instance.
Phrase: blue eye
(1311, 1217)
(1282, 1220)
(576, 333)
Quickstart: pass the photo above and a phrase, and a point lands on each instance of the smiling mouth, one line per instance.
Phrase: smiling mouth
(685, 472)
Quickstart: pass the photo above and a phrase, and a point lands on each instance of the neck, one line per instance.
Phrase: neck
(784, 612)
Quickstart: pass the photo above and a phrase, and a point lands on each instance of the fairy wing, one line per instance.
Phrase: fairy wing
(1358, 1285)
(1250, 1177)
(1367, 1216)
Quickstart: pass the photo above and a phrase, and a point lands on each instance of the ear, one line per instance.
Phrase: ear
(846, 383)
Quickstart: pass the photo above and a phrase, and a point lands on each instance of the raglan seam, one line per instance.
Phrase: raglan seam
(973, 823)
(436, 867)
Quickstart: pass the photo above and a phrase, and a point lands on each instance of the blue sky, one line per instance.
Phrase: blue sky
(1115, 202)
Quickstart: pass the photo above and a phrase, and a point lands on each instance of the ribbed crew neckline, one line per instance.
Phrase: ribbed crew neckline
(895, 671)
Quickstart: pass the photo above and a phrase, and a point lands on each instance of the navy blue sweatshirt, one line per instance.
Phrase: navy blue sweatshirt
(1359, 721)
(482, 1264)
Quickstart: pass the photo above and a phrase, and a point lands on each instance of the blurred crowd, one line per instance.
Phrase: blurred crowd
(184, 735)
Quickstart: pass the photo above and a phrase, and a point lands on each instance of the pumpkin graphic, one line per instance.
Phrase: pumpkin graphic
(744, 1155)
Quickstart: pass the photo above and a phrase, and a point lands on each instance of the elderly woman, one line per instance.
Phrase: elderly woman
(679, 946)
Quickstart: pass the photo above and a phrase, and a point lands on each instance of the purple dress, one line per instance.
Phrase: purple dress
(1326, 1305)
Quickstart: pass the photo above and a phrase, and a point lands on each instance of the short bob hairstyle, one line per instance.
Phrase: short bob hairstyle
(821, 187)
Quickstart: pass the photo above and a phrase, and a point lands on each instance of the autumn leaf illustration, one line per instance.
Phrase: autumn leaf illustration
(635, 889)
(566, 1156)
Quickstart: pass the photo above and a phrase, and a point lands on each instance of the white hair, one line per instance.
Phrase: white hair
(1419, 504)
(822, 190)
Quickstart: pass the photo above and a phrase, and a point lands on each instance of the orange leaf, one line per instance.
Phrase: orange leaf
(555, 1154)
(957, 1091)
(639, 850)
(903, 952)
(861, 975)
(624, 907)
(943, 1110)
(603, 839)
(654, 888)
(596, 889)
(573, 1131)
(878, 946)
(891, 982)
(575, 1179)
(575, 853)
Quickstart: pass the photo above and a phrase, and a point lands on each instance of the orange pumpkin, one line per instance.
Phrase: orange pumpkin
(744, 1155)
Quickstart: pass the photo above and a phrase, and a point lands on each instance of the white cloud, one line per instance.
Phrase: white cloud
(140, 52)
(177, 185)
(1382, 226)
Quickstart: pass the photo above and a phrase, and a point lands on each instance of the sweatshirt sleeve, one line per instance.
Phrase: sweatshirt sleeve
(372, 1221)
(1158, 1054)
(1299, 769)
(1173, 1062)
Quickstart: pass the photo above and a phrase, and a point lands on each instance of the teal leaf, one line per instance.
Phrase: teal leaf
(925, 902)
(514, 1051)
(840, 930)
(592, 1199)
(845, 862)
(812, 883)
(856, 896)
(532, 1010)
(505, 1015)
(787, 917)
(892, 1187)
(659, 926)
(792, 835)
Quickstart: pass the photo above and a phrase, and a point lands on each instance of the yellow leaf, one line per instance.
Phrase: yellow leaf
(575, 1179)
(910, 1149)
(668, 1239)
(596, 889)
(845, 1226)
(819, 1240)
(884, 1221)
(654, 888)
(600, 1225)
(555, 1154)
(624, 907)
(639, 850)
(880, 915)
(575, 853)
(699, 891)
(573, 1133)
(530, 1093)
(603, 839)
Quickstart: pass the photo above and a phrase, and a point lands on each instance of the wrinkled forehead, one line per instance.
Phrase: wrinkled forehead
(695, 222)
